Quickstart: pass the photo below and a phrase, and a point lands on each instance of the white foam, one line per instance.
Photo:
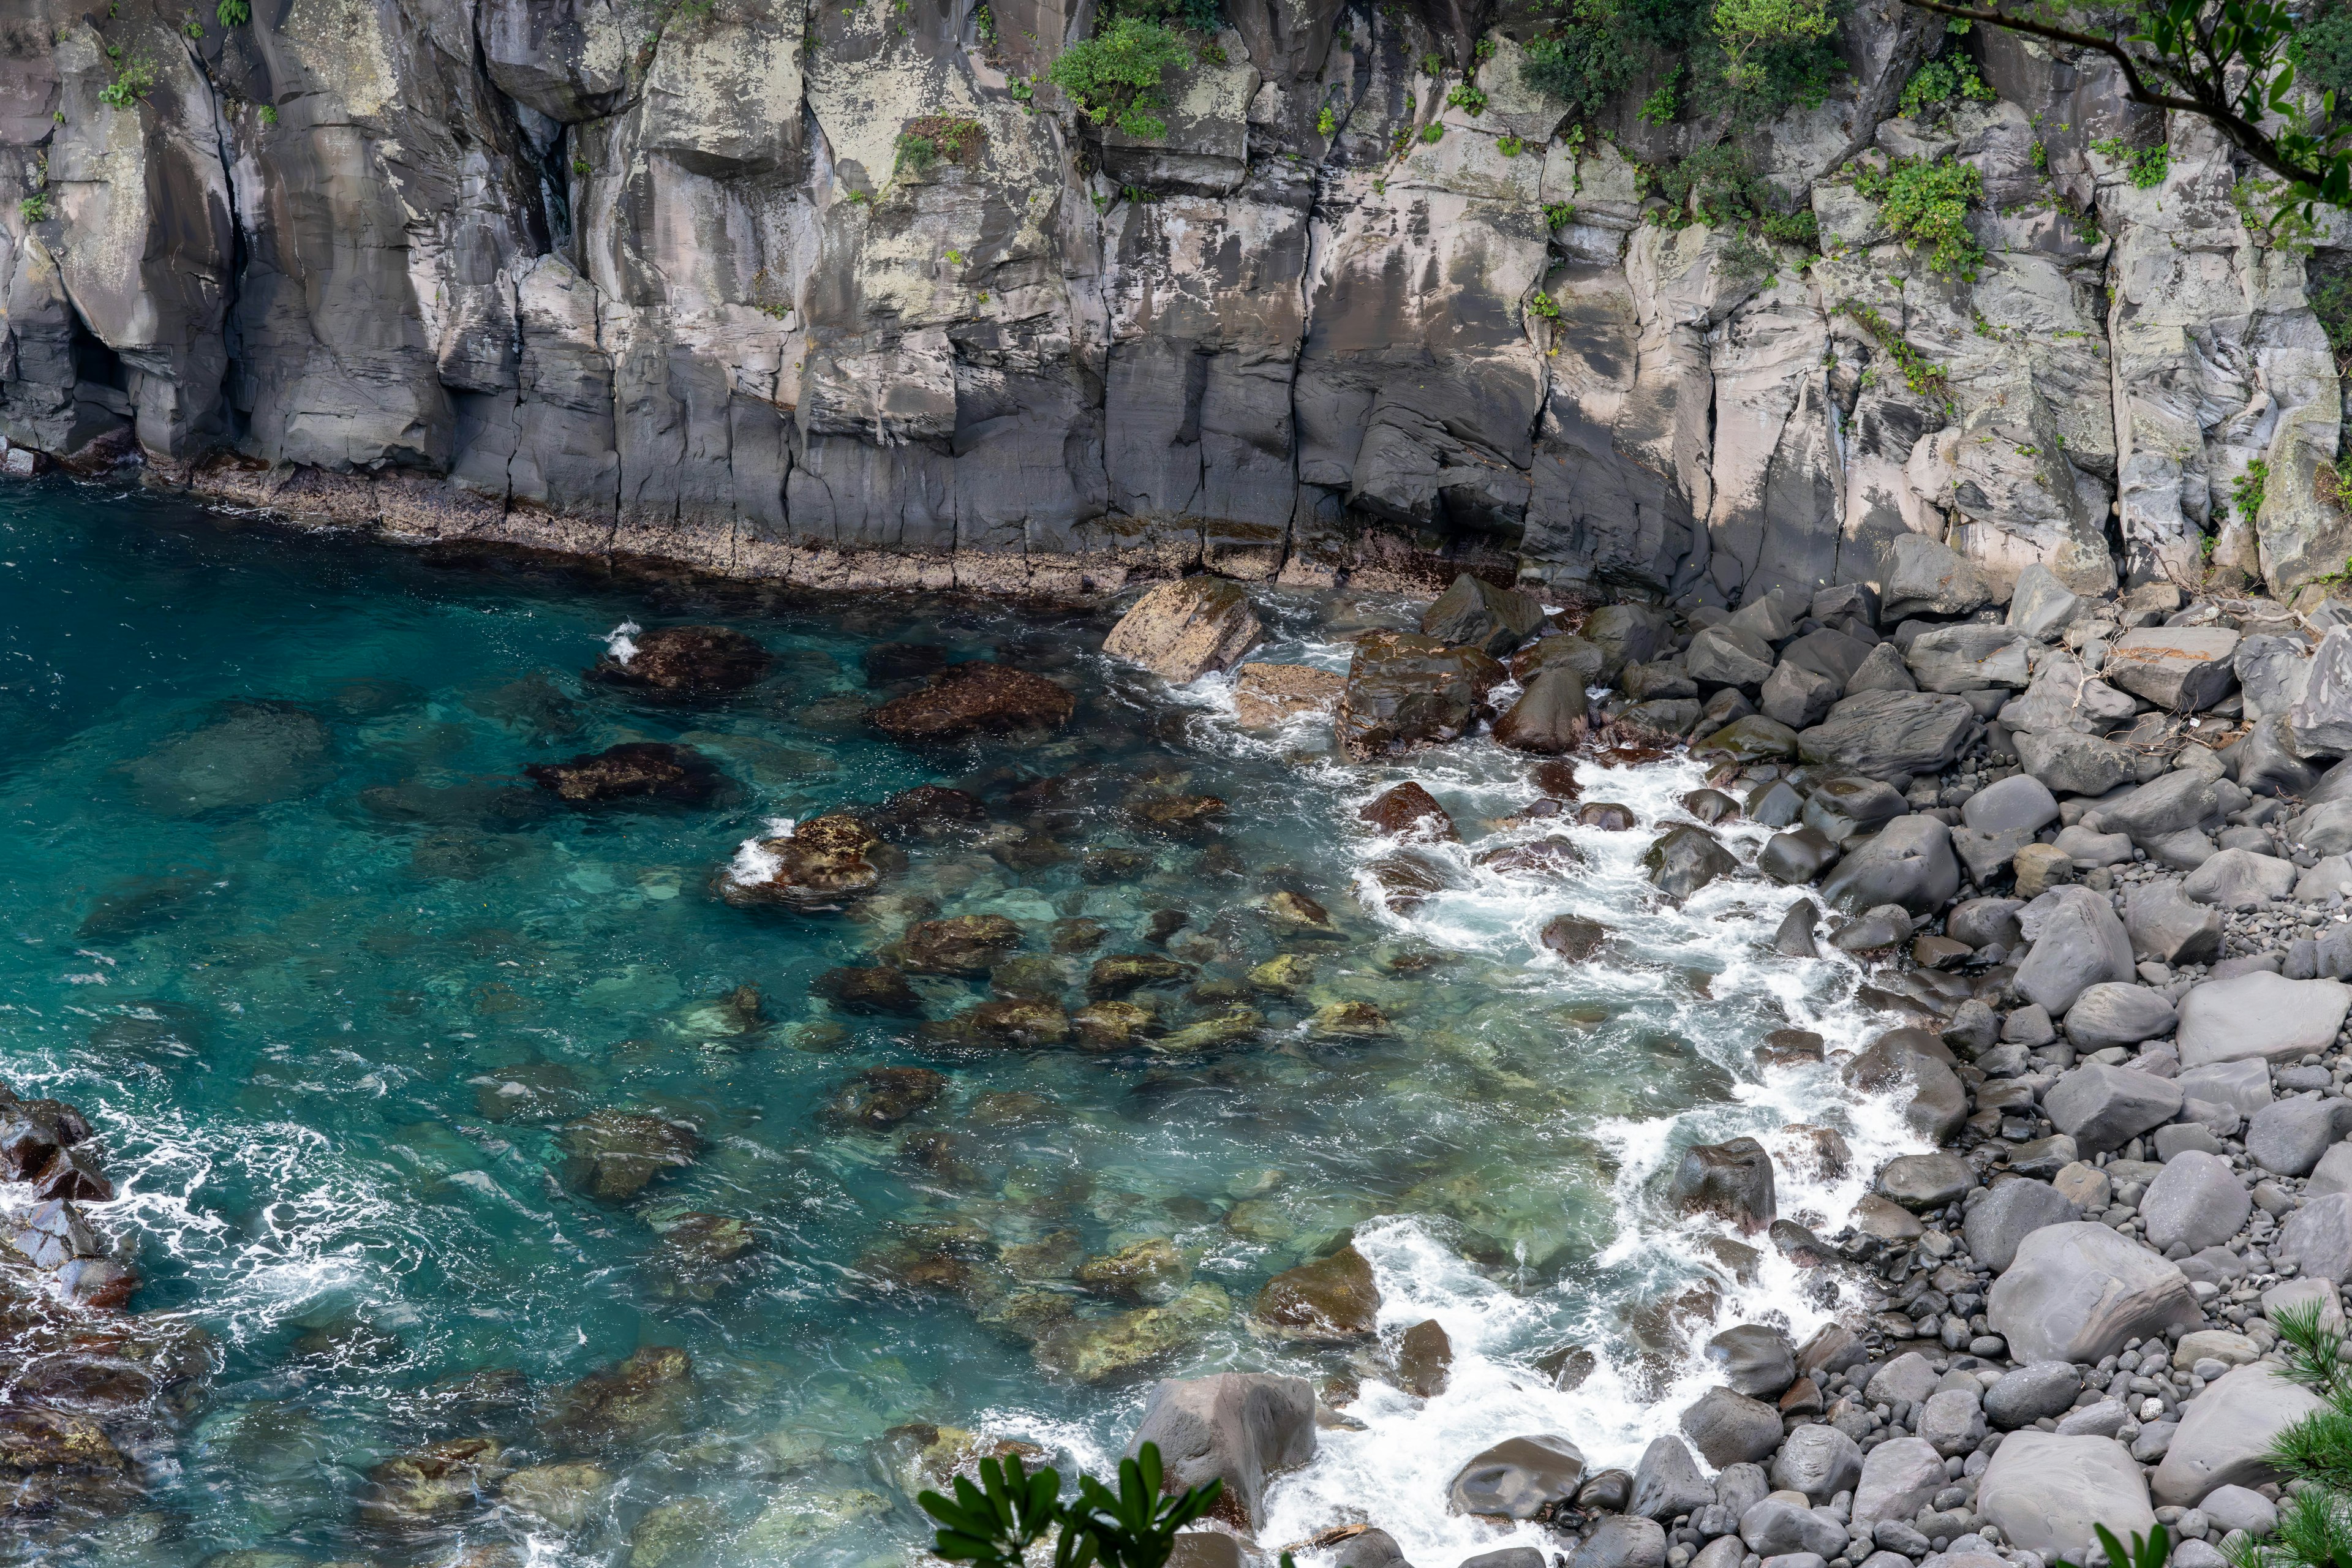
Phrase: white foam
(621, 642)
(754, 863)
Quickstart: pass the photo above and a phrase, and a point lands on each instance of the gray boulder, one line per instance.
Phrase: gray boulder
(2078, 942)
(2041, 606)
(1907, 1377)
(2013, 1210)
(1732, 1181)
(1923, 577)
(2027, 1394)
(1754, 1360)
(2076, 1292)
(1953, 1421)
(1968, 658)
(2333, 1174)
(1818, 1460)
(1829, 653)
(1879, 734)
(1238, 1426)
(1473, 612)
(1899, 1477)
(2103, 1108)
(2226, 1434)
(1986, 855)
(2047, 1494)
(2267, 762)
(2166, 927)
(1920, 1182)
(1730, 1428)
(1908, 862)
(2182, 669)
(2073, 763)
(1984, 922)
(1519, 1478)
(2067, 699)
(1370, 1549)
(1628, 634)
(2240, 879)
(2239, 1507)
(2272, 673)
(2317, 1238)
(1738, 1488)
(2324, 828)
(1666, 1483)
(2321, 717)
(1800, 855)
(2243, 1086)
(2196, 1202)
(2259, 1014)
(1797, 697)
(1776, 1527)
(2115, 1014)
(2177, 802)
(1623, 1540)
(2288, 1136)
(2019, 801)
(1882, 669)
(1918, 1062)
(1727, 655)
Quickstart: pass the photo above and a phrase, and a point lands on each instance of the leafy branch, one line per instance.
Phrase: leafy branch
(2229, 63)
(994, 1524)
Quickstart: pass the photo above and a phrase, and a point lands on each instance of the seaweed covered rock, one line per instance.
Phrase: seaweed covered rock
(682, 664)
(1404, 691)
(638, 770)
(814, 866)
(976, 699)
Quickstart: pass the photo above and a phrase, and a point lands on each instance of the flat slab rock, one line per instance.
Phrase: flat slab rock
(2260, 1015)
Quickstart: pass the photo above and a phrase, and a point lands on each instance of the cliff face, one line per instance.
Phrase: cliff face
(653, 279)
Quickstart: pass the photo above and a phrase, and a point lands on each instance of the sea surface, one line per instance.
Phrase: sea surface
(330, 976)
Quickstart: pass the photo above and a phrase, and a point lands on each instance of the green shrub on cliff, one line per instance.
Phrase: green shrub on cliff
(134, 78)
(234, 13)
(1927, 207)
(1114, 76)
(1937, 85)
(1748, 58)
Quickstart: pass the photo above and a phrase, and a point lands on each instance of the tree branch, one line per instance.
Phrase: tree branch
(2243, 134)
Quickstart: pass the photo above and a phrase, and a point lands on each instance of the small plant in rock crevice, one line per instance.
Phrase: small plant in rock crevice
(34, 208)
(134, 78)
(1927, 207)
(2145, 168)
(234, 13)
(1114, 76)
(1934, 87)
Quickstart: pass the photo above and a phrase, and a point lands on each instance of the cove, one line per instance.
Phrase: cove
(499, 1191)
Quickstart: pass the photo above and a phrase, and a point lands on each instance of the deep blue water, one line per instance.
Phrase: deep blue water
(284, 917)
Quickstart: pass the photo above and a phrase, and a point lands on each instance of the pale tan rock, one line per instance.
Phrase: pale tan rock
(1266, 695)
(1181, 630)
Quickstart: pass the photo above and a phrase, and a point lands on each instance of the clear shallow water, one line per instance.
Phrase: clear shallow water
(284, 919)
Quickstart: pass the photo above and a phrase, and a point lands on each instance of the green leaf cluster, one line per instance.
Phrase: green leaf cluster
(134, 78)
(995, 1523)
(1927, 207)
(1114, 76)
(1939, 84)
(925, 141)
(234, 13)
(2145, 167)
(2314, 1526)
(1750, 59)
(34, 208)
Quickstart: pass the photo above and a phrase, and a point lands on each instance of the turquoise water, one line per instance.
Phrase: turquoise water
(331, 978)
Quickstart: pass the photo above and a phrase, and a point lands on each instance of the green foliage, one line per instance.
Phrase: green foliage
(984, 26)
(2246, 495)
(1508, 145)
(1660, 106)
(270, 114)
(1467, 99)
(1433, 64)
(1926, 206)
(34, 208)
(1934, 86)
(1749, 28)
(1798, 228)
(1919, 374)
(1748, 58)
(2145, 167)
(194, 29)
(1114, 76)
(1434, 132)
(2314, 1526)
(2330, 289)
(994, 1524)
(234, 13)
(2321, 51)
(2144, 1552)
(582, 167)
(134, 78)
(1559, 215)
(1544, 305)
(1326, 122)
(925, 141)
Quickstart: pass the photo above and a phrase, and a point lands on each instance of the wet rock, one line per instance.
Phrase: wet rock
(1268, 695)
(2227, 1432)
(1408, 809)
(1176, 814)
(1095, 1350)
(1519, 1477)
(1753, 1359)
(1297, 915)
(1473, 612)
(244, 754)
(34, 1132)
(975, 698)
(1349, 1021)
(1753, 738)
(1666, 1482)
(880, 1097)
(1628, 634)
(965, 945)
(1709, 806)
(1818, 1461)
(1684, 859)
(1562, 650)
(1793, 938)
(821, 865)
(611, 1155)
(1882, 734)
(564, 1497)
(927, 810)
(647, 1396)
(676, 1533)
(2181, 669)
(1608, 816)
(1110, 1025)
(1574, 940)
(1363, 1548)
(1404, 881)
(1917, 1061)
(1558, 780)
(1330, 1300)
(1425, 1360)
(444, 1482)
(1122, 973)
(1875, 930)
(1908, 862)
(2048, 1492)
(1404, 691)
(2013, 1209)
(2076, 1292)
(1181, 630)
(1731, 1181)
(1799, 856)
(1541, 859)
(684, 663)
(1548, 719)
(880, 990)
(640, 770)
(1730, 1428)
(700, 1256)
(1147, 1271)
(1236, 1428)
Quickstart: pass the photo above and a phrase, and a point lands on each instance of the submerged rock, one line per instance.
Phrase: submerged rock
(1124, 972)
(819, 865)
(611, 1155)
(1574, 940)
(1095, 1350)
(683, 664)
(880, 990)
(1266, 695)
(417, 1492)
(699, 1257)
(647, 1396)
(880, 1097)
(975, 698)
(1408, 809)
(964, 945)
(1181, 630)
(1148, 1271)
(245, 754)
(640, 770)
(1330, 1300)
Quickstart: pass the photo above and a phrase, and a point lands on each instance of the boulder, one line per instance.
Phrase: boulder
(1968, 658)
(1548, 719)
(1753, 1359)
(1882, 669)
(1404, 691)
(1473, 612)
(637, 770)
(2078, 942)
(1239, 1427)
(2047, 1494)
(613, 1154)
(2272, 672)
(823, 864)
(2031, 1393)
(973, 699)
(1408, 809)
(2077, 1291)
(1798, 696)
(1332, 1300)
(1180, 631)
(2066, 698)
(1819, 1461)
(1952, 1422)
(1628, 634)
(1623, 1540)
(1938, 1103)
(2115, 1014)
(2196, 1202)
(1728, 656)
(2019, 801)
(2238, 1508)
(1687, 858)
(2240, 879)
(2177, 802)
(2226, 1434)
(1666, 1483)
(2321, 718)
(2074, 763)
(1730, 1428)
(1425, 1360)
(966, 946)
(2259, 1014)
(2267, 762)
(1920, 1182)
(1731, 1181)
(881, 1098)
(2317, 1238)
(1796, 856)
(2166, 927)
(1899, 1477)
(1923, 577)
(1752, 738)
(1561, 650)
(2288, 1137)
(2105, 1108)
(1268, 695)
(1214, 1549)
(682, 664)
(2010, 1211)
(2182, 669)
(1908, 862)
(1776, 1527)
(2041, 605)
(1519, 1478)
(1881, 734)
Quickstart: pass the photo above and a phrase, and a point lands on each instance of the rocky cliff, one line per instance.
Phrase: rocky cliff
(657, 279)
